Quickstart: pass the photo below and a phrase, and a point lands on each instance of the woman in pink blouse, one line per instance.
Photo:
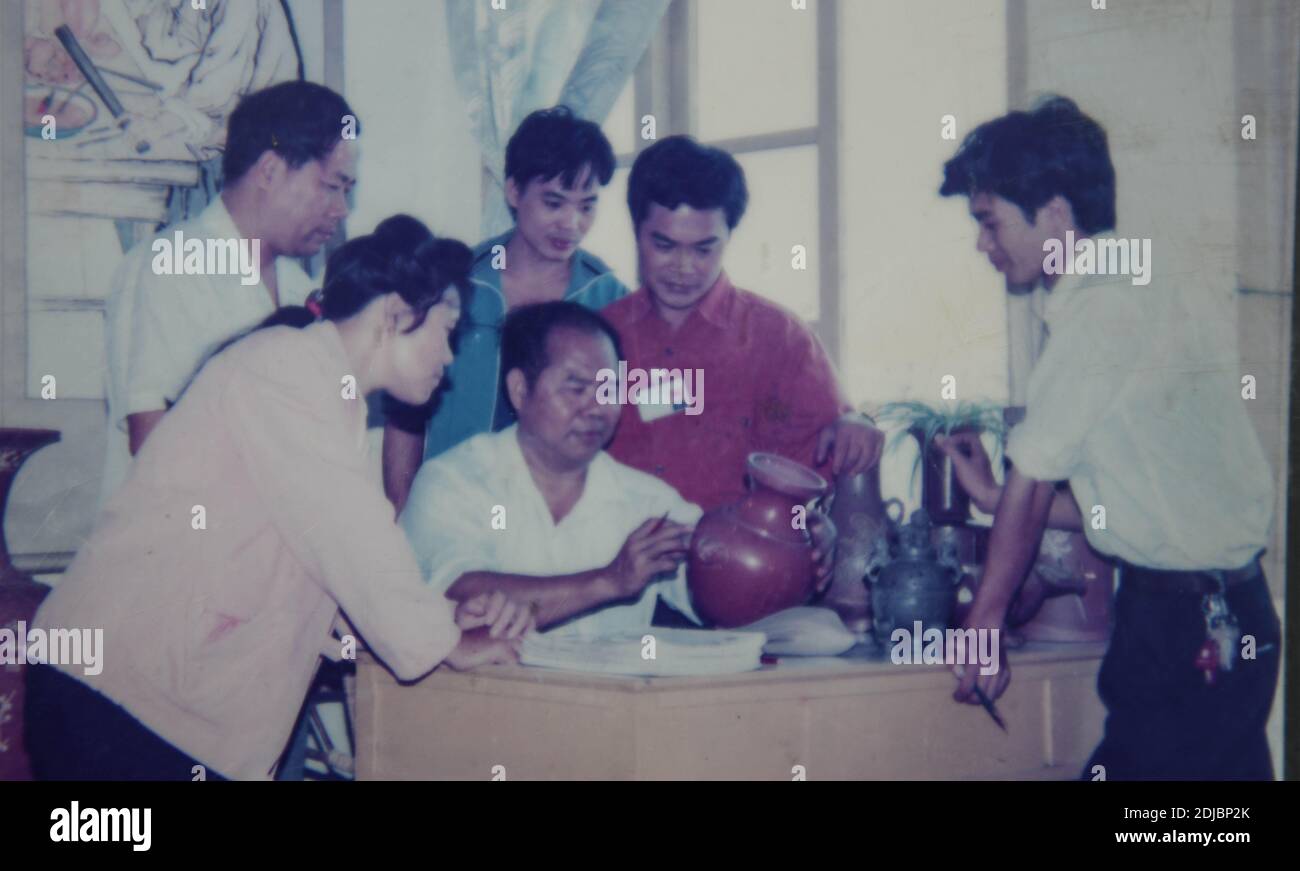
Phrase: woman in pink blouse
(250, 518)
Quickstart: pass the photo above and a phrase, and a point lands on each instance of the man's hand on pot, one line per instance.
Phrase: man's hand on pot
(851, 443)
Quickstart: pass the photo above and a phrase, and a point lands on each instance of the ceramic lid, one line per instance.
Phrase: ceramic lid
(786, 476)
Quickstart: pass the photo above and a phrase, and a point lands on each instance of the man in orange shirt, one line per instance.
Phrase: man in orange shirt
(771, 386)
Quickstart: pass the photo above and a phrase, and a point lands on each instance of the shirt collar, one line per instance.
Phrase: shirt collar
(596, 489)
(483, 251)
(331, 343)
(1068, 286)
(639, 304)
(516, 456)
(216, 220)
(583, 267)
(1058, 298)
(329, 335)
(715, 306)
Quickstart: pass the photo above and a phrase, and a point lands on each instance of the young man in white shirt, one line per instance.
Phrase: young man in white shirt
(1135, 402)
(288, 166)
(539, 510)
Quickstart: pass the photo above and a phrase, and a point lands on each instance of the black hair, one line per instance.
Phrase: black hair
(401, 256)
(678, 170)
(295, 316)
(527, 329)
(300, 121)
(555, 142)
(1029, 157)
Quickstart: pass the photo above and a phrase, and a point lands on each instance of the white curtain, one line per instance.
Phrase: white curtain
(537, 53)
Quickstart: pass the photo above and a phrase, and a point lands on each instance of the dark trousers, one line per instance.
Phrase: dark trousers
(75, 733)
(1164, 722)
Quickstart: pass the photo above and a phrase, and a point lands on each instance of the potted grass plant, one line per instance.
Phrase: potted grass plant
(942, 496)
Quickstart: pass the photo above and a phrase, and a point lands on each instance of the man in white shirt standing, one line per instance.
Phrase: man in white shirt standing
(288, 165)
(539, 510)
(1134, 402)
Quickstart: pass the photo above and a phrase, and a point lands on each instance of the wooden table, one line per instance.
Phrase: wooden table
(852, 717)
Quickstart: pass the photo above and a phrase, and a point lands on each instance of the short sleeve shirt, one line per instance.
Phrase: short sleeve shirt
(160, 327)
(763, 383)
(1136, 401)
(476, 508)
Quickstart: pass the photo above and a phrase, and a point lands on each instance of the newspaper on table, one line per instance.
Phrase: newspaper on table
(650, 652)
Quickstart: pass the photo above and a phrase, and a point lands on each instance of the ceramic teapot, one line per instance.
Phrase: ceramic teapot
(909, 579)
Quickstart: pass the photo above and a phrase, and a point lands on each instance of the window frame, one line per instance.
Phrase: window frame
(666, 84)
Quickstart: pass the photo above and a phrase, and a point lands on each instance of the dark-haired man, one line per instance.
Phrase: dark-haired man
(769, 384)
(556, 164)
(538, 510)
(1135, 402)
(287, 171)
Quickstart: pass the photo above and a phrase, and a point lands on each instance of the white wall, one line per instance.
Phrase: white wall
(417, 155)
(919, 302)
(1170, 80)
(309, 23)
(1159, 77)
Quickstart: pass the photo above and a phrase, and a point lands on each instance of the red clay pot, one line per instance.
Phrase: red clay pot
(1078, 585)
(751, 559)
(858, 512)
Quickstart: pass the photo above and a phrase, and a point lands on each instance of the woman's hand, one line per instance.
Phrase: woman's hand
(503, 617)
(478, 648)
(973, 467)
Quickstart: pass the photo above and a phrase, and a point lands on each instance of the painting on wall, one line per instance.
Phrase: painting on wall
(125, 106)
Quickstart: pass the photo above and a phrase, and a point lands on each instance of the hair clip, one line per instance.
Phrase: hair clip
(313, 304)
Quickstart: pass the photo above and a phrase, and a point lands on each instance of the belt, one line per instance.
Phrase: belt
(1202, 583)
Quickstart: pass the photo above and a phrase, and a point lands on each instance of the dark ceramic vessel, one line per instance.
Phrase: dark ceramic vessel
(942, 495)
(911, 581)
(754, 558)
(858, 512)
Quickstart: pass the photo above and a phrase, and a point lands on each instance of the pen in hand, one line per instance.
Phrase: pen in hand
(988, 706)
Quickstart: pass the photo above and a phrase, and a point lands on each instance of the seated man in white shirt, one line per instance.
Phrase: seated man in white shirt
(539, 510)
(287, 171)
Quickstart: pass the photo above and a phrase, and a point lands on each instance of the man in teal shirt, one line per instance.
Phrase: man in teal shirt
(556, 164)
